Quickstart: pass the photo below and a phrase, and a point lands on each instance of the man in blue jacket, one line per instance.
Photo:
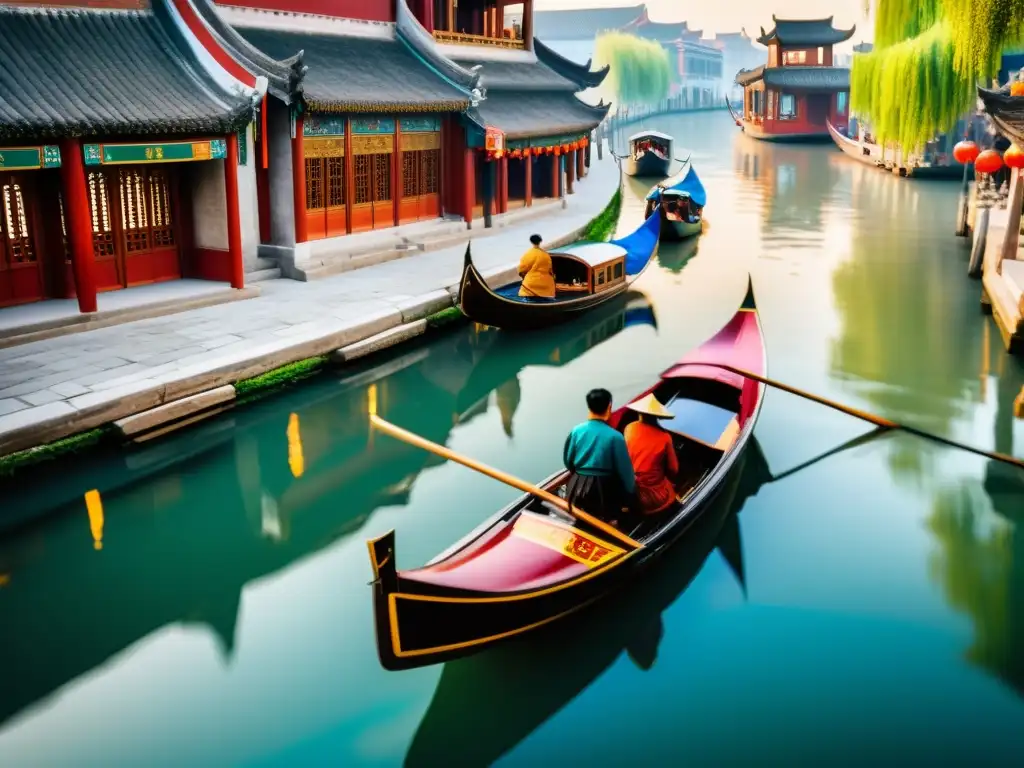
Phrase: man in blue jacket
(601, 480)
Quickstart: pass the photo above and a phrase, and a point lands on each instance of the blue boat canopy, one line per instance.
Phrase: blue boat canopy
(690, 185)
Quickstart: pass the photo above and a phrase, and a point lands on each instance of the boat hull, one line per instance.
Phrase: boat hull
(755, 131)
(871, 154)
(680, 230)
(649, 165)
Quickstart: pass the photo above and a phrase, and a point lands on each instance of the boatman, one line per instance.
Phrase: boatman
(537, 271)
(601, 480)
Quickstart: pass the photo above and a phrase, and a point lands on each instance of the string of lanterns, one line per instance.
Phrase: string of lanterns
(988, 161)
(554, 149)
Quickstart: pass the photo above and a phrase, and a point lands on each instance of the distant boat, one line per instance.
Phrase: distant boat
(650, 154)
(681, 205)
(861, 149)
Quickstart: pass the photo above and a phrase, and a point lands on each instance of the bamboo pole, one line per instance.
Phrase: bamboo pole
(496, 474)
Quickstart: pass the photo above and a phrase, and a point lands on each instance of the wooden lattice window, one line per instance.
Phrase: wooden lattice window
(16, 245)
(410, 174)
(64, 228)
(362, 174)
(162, 225)
(99, 206)
(335, 181)
(381, 178)
(429, 172)
(134, 211)
(314, 183)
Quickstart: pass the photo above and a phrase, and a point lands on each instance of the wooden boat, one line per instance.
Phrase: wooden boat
(529, 565)
(650, 154)
(680, 205)
(864, 151)
(586, 275)
(733, 113)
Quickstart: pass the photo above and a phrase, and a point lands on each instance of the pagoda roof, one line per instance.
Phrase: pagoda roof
(528, 114)
(584, 24)
(284, 76)
(581, 74)
(1006, 111)
(85, 72)
(805, 32)
(357, 74)
(664, 32)
(863, 48)
(747, 76)
(808, 78)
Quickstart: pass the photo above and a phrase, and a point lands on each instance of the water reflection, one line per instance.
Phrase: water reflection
(488, 703)
(979, 563)
(278, 486)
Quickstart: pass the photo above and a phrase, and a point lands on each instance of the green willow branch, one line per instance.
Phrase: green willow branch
(641, 72)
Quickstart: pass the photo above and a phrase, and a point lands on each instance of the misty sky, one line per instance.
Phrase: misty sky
(730, 15)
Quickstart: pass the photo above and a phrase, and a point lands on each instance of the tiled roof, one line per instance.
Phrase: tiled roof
(664, 33)
(78, 72)
(524, 114)
(581, 74)
(808, 78)
(283, 75)
(1006, 111)
(747, 76)
(583, 24)
(518, 75)
(805, 32)
(354, 74)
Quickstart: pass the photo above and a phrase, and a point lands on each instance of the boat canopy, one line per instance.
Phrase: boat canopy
(592, 254)
(691, 184)
(650, 135)
(641, 244)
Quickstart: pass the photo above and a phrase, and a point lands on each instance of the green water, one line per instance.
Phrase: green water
(212, 608)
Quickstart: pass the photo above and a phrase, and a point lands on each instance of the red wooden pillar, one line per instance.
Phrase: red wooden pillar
(299, 182)
(503, 190)
(581, 171)
(468, 185)
(528, 175)
(79, 220)
(428, 15)
(528, 25)
(570, 171)
(263, 177)
(555, 170)
(350, 186)
(234, 223)
(396, 172)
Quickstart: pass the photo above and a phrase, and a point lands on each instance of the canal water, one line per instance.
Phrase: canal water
(203, 600)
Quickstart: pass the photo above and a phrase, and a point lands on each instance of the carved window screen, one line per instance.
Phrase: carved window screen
(429, 169)
(410, 174)
(362, 165)
(16, 246)
(314, 184)
(381, 178)
(335, 181)
(134, 211)
(99, 206)
(162, 225)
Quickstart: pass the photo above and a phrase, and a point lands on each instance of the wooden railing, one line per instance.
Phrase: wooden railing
(460, 38)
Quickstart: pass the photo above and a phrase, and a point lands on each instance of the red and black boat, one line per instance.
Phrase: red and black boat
(532, 564)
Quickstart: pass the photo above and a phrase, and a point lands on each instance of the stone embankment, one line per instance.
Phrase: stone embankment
(147, 374)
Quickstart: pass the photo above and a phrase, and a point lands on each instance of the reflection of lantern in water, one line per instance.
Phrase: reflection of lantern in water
(94, 506)
(295, 460)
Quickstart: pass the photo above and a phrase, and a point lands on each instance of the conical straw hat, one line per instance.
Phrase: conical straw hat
(652, 407)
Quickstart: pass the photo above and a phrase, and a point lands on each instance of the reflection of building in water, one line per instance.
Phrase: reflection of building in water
(979, 564)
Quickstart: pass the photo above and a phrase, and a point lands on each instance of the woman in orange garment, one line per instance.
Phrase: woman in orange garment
(653, 456)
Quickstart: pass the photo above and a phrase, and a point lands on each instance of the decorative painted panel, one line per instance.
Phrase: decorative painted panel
(324, 147)
(173, 152)
(420, 124)
(323, 125)
(373, 145)
(417, 141)
(29, 158)
(373, 125)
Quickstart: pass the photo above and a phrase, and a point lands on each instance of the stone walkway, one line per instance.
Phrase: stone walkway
(60, 386)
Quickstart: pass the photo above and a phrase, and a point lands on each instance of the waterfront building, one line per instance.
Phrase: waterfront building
(572, 33)
(738, 52)
(798, 91)
(248, 135)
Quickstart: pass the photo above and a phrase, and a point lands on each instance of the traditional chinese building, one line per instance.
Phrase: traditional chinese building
(738, 52)
(572, 32)
(792, 96)
(122, 151)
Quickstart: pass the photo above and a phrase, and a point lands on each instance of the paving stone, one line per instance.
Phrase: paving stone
(42, 398)
(10, 405)
(70, 389)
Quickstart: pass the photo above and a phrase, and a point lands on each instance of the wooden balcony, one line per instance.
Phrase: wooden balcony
(460, 38)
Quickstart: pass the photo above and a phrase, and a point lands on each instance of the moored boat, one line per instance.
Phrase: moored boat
(934, 165)
(650, 154)
(531, 564)
(586, 275)
(680, 205)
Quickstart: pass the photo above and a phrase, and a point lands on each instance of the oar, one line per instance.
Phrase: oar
(439, 450)
(878, 421)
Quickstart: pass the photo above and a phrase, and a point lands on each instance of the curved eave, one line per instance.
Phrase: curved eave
(581, 74)
(748, 76)
(422, 44)
(832, 37)
(283, 75)
(1006, 111)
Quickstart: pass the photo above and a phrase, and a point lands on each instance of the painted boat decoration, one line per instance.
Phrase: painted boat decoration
(680, 205)
(650, 154)
(586, 275)
(530, 564)
(894, 161)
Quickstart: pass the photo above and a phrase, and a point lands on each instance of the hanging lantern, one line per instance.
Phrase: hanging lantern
(1017, 88)
(527, 152)
(1014, 157)
(988, 161)
(964, 152)
(498, 154)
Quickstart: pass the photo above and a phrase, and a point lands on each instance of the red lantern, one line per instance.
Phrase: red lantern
(1014, 157)
(965, 152)
(988, 161)
(526, 152)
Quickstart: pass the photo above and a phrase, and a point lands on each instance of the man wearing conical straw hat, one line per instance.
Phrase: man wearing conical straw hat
(653, 456)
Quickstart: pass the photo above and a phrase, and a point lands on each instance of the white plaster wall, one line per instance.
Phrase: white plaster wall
(248, 207)
(282, 213)
(209, 205)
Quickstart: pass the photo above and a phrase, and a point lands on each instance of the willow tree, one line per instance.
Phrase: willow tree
(641, 71)
(928, 57)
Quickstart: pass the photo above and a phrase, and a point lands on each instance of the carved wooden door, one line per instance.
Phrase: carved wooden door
(21, 275)
(149, 238)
